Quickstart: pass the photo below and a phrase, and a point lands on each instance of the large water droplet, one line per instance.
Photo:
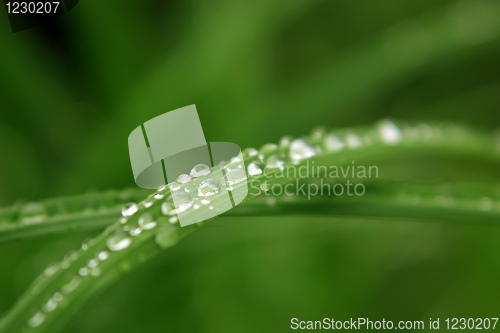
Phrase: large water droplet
(182, 201)
(130, 209)
(299, 150)
(167, 236)
(200, 170)
(333, 143)
(147, 221)
(275, 162)
(389, 132)
(255, 168)
(37, 319)
(183, 178)
(167, 208)
(118, 241)
(235, 176)
(174, 186)
(208, 187)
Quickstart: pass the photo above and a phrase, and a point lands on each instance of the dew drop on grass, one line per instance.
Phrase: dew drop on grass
(123, 220)
(182, 201)
(250, 152)
(183, 178)
(50, 306)
(103, 255)
(51, 269)
(95, 272)
(268, 148)
(255, 168)
(84, 271)
(148, 202)
(174, 186)
(275, 162)
(333, 143)
(200, 170)
(129, 209)
(353, 141)
(158, 196)
(167, 207)
(300, 150)
(71, 285)
(208, 187)
(173, 219)
(118, 241)
(235, 176)
(166, 236)
(389, 132)
(37, 319)
(162, 188)
(285, 141)
(93, 263)
(147, 221)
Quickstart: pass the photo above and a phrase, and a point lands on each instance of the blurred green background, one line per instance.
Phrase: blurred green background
(71, 92)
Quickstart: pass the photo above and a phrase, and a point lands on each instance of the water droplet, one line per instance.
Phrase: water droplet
(208, 187)
(158, 196)
(71, 285)
(255, 168)
(173, 219)
(275, 162)
(205, 201)
(389, 132)
(50, 306)
(51, 269)
(264, 186)
(184, 178)
(129, 209)
(147, 221)
(268, 148)
(123, 220)
(174, 186)
(32, 213)
(200, 170)
(167, 236)
(182, 201)
(211, 207)
(93, 263)
(162, 188)
(167, 207)
(57, 297)
(118, 241)
(285, 141)
(37, 319)
(148, 202)
(318, 133)
(95, 272)
(235, 176)
(84, 271)
(333, 143)
(196, 206)
(299, 150)
(249, 152)
(103, 255)
(353, 141)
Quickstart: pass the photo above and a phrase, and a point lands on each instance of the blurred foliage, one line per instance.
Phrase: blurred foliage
(71, 92)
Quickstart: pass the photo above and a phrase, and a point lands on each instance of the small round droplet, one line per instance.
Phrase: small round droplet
(84, 271)
(148, 202)
(353, 141)
(103, 255)
(95, 272)
(50, 305)
(93, 263)
(200, 170)
(205, 201)
(159, 196)
(129, 209)
(255, 168)
(118, 241)
(32, 213)
(249, 152)
(183, 178)
(208, 187)
(299, 150)
(71, 285)
(173, 219)
(147, 221)
(51, 269)
(162, 188)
